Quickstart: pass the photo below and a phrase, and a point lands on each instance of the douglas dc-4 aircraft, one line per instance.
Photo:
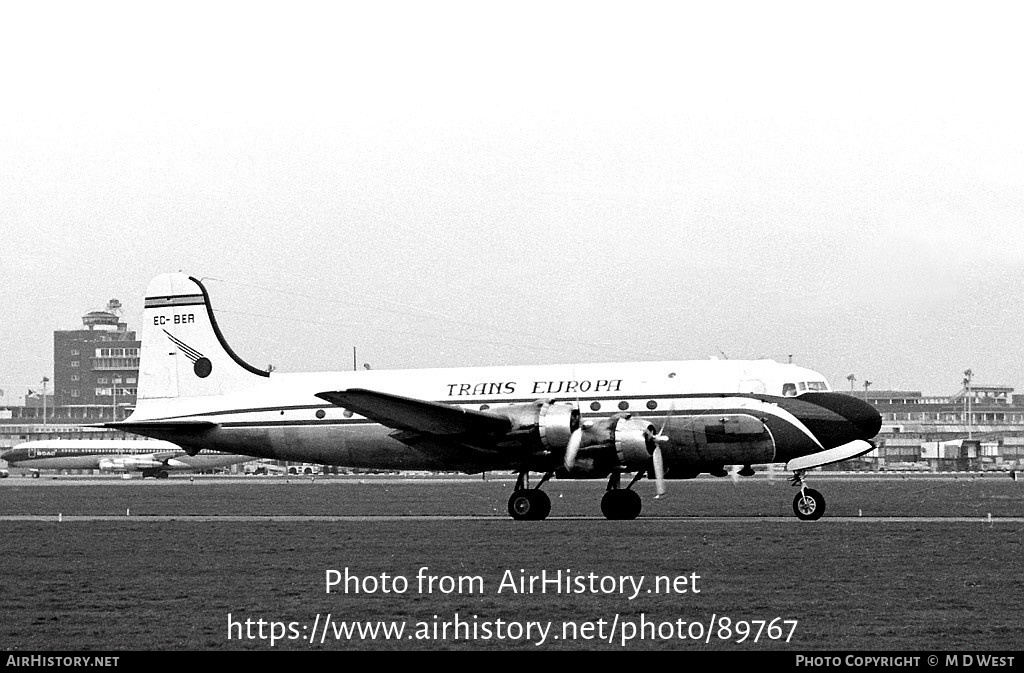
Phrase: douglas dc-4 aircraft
(151, 458)
(668, 420)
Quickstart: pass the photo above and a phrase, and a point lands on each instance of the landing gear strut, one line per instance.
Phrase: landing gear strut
(808, 505)
(529, 504)
(621, 503)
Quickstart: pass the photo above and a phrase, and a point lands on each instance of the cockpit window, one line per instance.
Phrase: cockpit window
(788, 389)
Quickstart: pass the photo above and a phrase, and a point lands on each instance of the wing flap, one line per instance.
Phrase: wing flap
(418, 416)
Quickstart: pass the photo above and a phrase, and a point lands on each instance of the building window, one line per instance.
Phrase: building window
(74, 377)
(73, 363)
(74, 393)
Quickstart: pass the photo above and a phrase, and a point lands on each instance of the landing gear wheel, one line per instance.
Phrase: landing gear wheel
(529, 505)
(809, 505)
(620, 504)
(543, 503)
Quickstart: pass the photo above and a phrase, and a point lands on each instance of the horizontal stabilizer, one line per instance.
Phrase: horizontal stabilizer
(857, 447)
(419, 416)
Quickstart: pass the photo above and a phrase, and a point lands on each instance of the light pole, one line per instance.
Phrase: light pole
(46, 379)
(851, 378)
(967, 399)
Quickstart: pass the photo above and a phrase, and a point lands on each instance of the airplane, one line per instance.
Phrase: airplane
(154, 458)
(664, 420)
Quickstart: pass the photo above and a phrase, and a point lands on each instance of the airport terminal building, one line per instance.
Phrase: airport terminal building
(979, 427)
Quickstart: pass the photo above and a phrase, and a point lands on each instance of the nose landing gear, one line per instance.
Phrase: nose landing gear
(808, 505)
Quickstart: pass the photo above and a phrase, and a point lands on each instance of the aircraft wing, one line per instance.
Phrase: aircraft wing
(164, 456)
(420, 417)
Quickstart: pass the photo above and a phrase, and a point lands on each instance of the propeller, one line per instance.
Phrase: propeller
(657, 460)
(659, 466)
(573, 447)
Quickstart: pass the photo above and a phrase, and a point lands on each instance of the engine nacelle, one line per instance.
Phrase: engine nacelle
(620, 440)
(634, 442)
(539, 426)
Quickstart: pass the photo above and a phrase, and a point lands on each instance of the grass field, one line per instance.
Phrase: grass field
(142, 585)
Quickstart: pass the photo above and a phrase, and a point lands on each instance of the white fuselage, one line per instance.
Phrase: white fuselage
(280, 416)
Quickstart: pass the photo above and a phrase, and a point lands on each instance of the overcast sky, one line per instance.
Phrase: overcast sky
(470, 183)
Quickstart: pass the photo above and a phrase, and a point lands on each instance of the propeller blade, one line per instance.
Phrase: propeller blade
(573, 447)
(659, 471)
(734, 474)
(668, 417)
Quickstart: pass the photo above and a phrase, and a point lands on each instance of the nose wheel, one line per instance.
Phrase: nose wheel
(808, 505)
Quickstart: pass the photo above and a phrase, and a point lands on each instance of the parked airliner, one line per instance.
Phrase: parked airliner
(665, 420)
(153, 458)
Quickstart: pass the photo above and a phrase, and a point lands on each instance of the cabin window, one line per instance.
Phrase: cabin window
(320, 413)
(595, 406)
(623, 405)
(652, 405)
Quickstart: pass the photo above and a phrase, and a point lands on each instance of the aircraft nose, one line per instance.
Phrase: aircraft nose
(864, 420)
(864, 416)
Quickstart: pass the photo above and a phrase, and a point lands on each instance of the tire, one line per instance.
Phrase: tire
(520, 505)
(809, 505)
(621, 504)
(543, 504)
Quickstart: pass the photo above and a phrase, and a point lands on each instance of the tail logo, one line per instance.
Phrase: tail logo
(201, 364)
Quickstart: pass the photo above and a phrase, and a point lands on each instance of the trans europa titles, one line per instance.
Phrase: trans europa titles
(536, 387)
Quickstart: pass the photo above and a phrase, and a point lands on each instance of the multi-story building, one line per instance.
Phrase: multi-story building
(981, 426)
(95, 369)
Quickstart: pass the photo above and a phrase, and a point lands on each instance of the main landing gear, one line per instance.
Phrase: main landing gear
(529, 504)
(808, 505)
(621, 503)
(533, 504)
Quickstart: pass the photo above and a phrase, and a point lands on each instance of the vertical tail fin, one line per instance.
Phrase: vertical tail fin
(184, 353)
